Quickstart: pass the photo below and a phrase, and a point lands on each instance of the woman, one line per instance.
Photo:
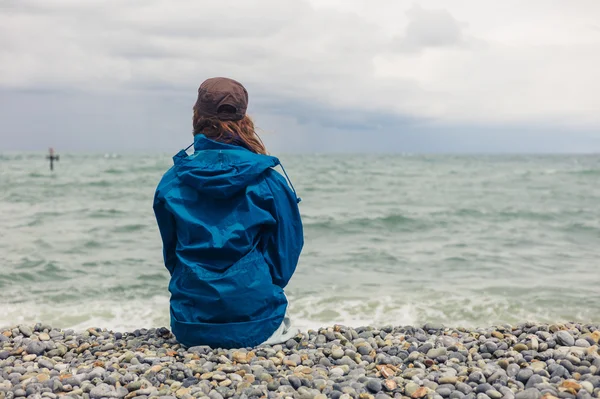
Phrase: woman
(230, 227)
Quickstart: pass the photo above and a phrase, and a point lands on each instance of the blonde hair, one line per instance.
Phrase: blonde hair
(230, 132)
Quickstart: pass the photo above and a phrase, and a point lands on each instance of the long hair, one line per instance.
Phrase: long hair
(230, 132)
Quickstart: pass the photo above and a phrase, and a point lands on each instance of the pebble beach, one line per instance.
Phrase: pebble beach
(529, 361)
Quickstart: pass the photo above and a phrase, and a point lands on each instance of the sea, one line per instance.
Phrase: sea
(469, 241)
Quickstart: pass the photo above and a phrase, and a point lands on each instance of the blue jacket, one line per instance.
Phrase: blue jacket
(232, 236)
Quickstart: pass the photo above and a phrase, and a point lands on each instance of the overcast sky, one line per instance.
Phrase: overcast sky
(323, 75)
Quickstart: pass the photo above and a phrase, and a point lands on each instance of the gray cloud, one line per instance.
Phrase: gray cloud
(137, 65)
(430, 28)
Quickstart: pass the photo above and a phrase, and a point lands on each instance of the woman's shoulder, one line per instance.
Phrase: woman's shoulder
(278, 184)
(166, 184)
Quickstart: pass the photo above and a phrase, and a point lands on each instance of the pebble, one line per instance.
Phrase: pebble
(582, 343)
(524, 374)
(25, 330)
(437, 352)
(530, 393)
(464, 388)
(337, 354)
(410, 388)
(36, 348)
(448, 380)
(493, 394)
(434, 362)
(538, 366)
(476, 377)
(374, 386)
(534, 380)
(512, 370)
(520, 347)
(565, 338)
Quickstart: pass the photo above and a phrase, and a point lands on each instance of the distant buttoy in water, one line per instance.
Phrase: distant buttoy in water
(52, 158)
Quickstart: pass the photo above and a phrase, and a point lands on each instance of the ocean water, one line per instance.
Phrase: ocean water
(390, 240)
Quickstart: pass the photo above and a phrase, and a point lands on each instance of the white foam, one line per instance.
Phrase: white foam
(313, 313)
(112, 315)
(307, 312)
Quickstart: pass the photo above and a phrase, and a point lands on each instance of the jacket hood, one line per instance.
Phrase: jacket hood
(220, 170)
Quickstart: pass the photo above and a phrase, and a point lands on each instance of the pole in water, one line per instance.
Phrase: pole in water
(52, 158)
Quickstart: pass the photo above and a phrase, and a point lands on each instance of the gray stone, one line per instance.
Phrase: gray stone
(482, 388)
(215, 395)
(25, 330)
(337, 354)
(437, 352)
(433, 327)
(464, 388)
(477, 377)
(512, 370)
(490, 347)
(524, 374)
(374, 385)
(410, 388)
(295, 381)
(493, 394)
(103, 391)
(530, 393)
(45, 362)
(498, 376)
(538, 366)
(448, 379)
(36, 348)
(534, 380)
(588, 386)
(565, 338)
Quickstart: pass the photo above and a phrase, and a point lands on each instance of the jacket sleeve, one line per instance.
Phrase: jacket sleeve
(286, 237)
(168, 232)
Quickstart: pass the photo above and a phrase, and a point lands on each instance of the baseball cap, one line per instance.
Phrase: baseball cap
(223, 98)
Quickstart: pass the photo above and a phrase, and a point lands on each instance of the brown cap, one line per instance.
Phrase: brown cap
(214, 93)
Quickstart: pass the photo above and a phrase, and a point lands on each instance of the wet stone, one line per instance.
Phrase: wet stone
(36, 348)
(374, 386)
(565, 338)
(524, 374)
(477, 377)
(533, 381)
(530, 393)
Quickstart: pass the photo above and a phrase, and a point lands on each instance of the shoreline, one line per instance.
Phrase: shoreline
(527, 361)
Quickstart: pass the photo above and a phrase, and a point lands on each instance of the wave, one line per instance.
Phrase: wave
(120, 310)
(114, 171)
(41, 175)
(393, 222)
(116, 315)
(41, 271)
(106, 213)
(100, 183)
(530, 215)
(583, 228)
(586, 172)
(130, 228)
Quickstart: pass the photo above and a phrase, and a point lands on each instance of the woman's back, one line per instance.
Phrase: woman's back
(232, 236)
